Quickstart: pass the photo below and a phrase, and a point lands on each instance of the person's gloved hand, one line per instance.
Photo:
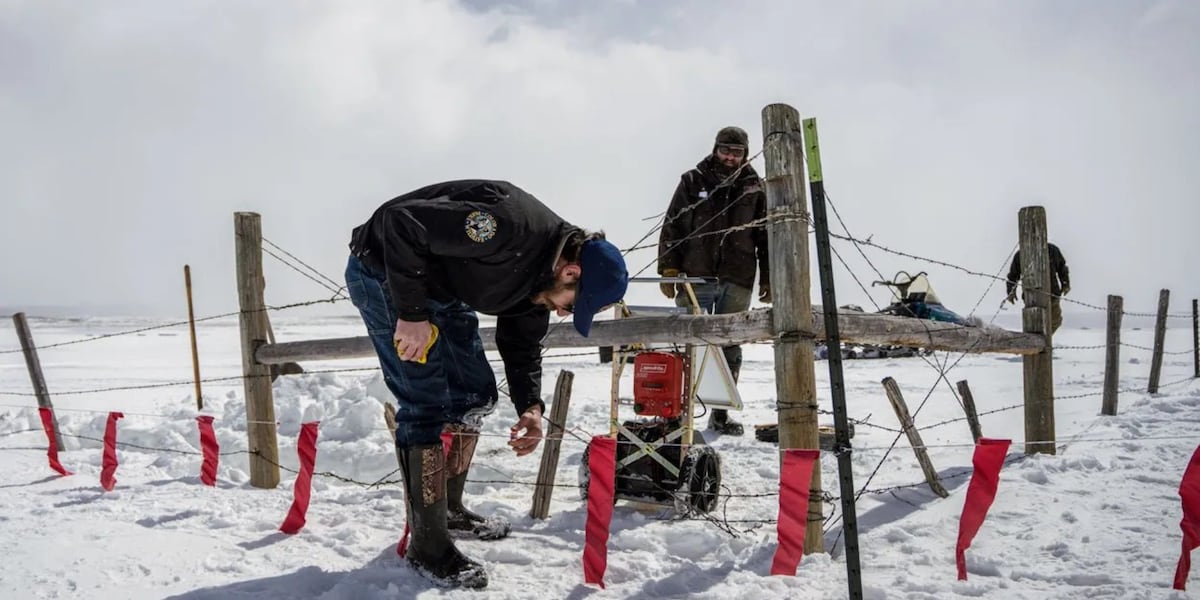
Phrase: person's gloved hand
(1066, 288)
(1012, 297)
(764, 293)
(668, 289)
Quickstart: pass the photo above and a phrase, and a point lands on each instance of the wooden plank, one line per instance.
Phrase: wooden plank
(914, 436)
(1035, 318)
(34, 366)
(256, 381)
(968, 401)
(1160, 336)
(553, 444)
(1112, 355)
(792, 327)
(721, 330)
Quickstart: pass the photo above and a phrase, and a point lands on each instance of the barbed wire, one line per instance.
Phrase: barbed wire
(320, 278)
(873, 244)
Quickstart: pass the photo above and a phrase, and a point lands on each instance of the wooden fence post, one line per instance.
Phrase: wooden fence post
(35, 372)
(914, 436)
(968, 401)
(1160, 336)
(792, 315)
(260, 404)
(1038, 368)
(1195, 337)
(553, 444)
(1112, 356)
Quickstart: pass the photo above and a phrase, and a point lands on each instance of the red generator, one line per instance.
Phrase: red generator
(658, 384)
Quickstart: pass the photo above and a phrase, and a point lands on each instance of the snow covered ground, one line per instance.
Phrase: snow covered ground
(1100, 519)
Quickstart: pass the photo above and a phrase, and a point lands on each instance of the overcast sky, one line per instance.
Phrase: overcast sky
(132, 131)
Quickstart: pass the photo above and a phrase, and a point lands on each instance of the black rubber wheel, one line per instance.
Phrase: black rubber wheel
(699, 481)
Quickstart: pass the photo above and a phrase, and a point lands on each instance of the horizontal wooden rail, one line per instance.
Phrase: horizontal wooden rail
(735, 328)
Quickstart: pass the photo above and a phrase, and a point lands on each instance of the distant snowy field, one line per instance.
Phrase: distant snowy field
(1099, 520)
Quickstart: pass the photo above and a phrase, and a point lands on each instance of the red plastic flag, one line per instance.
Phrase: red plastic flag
(402, 547)
(1189, 493)
(307, 449)
(52, 451)
(109, 464)
(985, 478)
(795, 481)
(602, 472)
(208, 443)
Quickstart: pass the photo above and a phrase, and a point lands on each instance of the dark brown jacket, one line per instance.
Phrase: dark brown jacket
(1060, 276)
(702, 204)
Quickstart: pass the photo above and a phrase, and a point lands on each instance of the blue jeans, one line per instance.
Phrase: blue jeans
(719, 299)
(455, 385)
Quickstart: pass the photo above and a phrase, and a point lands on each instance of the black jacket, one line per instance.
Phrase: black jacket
(489, 244)
(1060, 276)
(702, 205)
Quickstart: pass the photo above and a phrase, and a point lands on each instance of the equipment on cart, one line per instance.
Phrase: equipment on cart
(660, 457)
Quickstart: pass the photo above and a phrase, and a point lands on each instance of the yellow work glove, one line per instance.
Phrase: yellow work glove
(668, 289)
(433, 336)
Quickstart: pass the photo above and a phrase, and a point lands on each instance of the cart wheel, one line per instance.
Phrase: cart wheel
(585, 476)
(700, 481)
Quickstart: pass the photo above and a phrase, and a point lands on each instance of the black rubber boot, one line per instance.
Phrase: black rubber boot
(430, 550)
(459, 519)
(720, 422)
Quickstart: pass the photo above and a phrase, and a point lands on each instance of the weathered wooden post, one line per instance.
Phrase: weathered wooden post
(1195, 337)
(1039, 368)
(792, 316)
(1112, 355)
(553, 443)
(968, 401)
(256, 377)
(35, 372)
(914, 437)
(1160, 337)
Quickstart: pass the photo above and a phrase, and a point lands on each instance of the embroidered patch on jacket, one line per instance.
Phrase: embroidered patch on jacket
(480, 226)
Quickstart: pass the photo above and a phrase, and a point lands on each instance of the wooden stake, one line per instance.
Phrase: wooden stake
(792, 317)
(1039, 368)
(914, 436)
(1112, 356)
(968, 401)
(260, 404)
(1160, 336)
(187, 283)
(35, 372)
(553, 443)
(1195, 337)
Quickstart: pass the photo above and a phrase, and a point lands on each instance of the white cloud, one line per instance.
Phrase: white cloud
(134, 129)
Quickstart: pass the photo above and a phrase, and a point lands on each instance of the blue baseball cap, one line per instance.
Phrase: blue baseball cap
(603, 279)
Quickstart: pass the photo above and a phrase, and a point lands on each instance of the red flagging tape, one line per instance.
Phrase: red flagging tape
(795, 480)
(1189, 493)
(402, 547)
(307, 449)
(109, 465)
(208, 443)
(981, 492)
(52, 451)
(602, 471)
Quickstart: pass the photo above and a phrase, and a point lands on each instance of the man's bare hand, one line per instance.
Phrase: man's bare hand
(524, 437)
(411, 337)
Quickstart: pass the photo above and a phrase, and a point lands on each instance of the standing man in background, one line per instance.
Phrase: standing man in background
(1060, 284)
(700, 238)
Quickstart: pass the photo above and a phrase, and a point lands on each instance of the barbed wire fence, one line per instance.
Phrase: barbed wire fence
(942, 366)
